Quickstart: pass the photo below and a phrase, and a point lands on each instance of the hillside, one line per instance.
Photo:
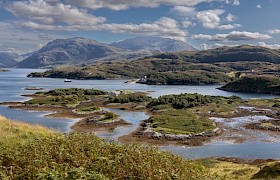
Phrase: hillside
(266, 84)
(7, 59)
(157, 72)
(162, 71)
(76, 51)
(155, 44)
(227, 54)
(34, 152)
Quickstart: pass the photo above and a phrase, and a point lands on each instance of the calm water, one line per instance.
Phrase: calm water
(12, 85)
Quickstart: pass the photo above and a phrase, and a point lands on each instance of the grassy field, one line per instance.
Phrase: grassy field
(34, 152)
(180, 122)
(91, 108)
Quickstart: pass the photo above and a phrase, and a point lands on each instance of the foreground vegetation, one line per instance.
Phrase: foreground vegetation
(33, 152)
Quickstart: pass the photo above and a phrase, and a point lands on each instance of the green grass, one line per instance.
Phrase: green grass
(33, 152)
(65, 97)
(180, 122)
(109, 117)
(271, 171)
(88, 109)
(56, 101)
(267, 124)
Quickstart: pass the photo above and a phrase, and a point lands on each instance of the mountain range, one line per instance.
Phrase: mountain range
(82, 51)
(8, 59)
(156, 44)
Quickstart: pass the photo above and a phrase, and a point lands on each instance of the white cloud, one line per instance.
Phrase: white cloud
(271, 46)
(230, 17)
(40, 15)
(185, 11)
(236, 2)
(205, 46)
(259, 6)
(20, 41)
(210, 19)
(187, 23)
(165, 27)
(229, 26)
(202, 37)
(233, 36)
(274, 31)
(45, 13)
(125, 4)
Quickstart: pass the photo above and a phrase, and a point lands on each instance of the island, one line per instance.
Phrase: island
(265, 84)
(4, 70)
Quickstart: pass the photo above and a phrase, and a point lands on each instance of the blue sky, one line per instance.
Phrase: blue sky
(27, 25)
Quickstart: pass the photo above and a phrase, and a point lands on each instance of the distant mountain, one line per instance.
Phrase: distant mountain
(8, 59)
(26, 55)
(227, 54)
(155, 44)
(76, 51)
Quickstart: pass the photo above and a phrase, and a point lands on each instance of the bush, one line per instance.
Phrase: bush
(84, 156)
(127, 98)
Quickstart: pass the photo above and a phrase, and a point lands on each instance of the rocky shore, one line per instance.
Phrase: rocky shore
(147, 131)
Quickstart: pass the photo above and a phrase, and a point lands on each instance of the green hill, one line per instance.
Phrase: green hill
(227, 54)
(266, 84)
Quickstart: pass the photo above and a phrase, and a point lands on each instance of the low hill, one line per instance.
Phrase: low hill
(265, 84)
(156, 44)
(227, 54)
(157, 72)
(7, 59)
(76, 51)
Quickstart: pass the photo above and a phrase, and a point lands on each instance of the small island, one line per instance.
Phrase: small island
(4, 70)
(33, 88)
(265, 84)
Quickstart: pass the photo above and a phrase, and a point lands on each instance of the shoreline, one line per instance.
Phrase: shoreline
(83, 125)
(139, 135)
(144, 134)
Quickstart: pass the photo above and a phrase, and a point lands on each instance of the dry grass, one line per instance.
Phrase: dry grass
(12, 132)
(34, 152)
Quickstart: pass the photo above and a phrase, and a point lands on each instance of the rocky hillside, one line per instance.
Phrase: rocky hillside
(76, 51)
(155, 44)
(7, 59)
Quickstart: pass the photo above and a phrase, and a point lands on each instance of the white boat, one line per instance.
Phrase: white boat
(67, 80)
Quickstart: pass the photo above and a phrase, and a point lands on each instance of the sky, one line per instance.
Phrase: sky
(27, 25)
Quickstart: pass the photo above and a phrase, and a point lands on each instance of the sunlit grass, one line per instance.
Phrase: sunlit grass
(180, 122)
(34, 152)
